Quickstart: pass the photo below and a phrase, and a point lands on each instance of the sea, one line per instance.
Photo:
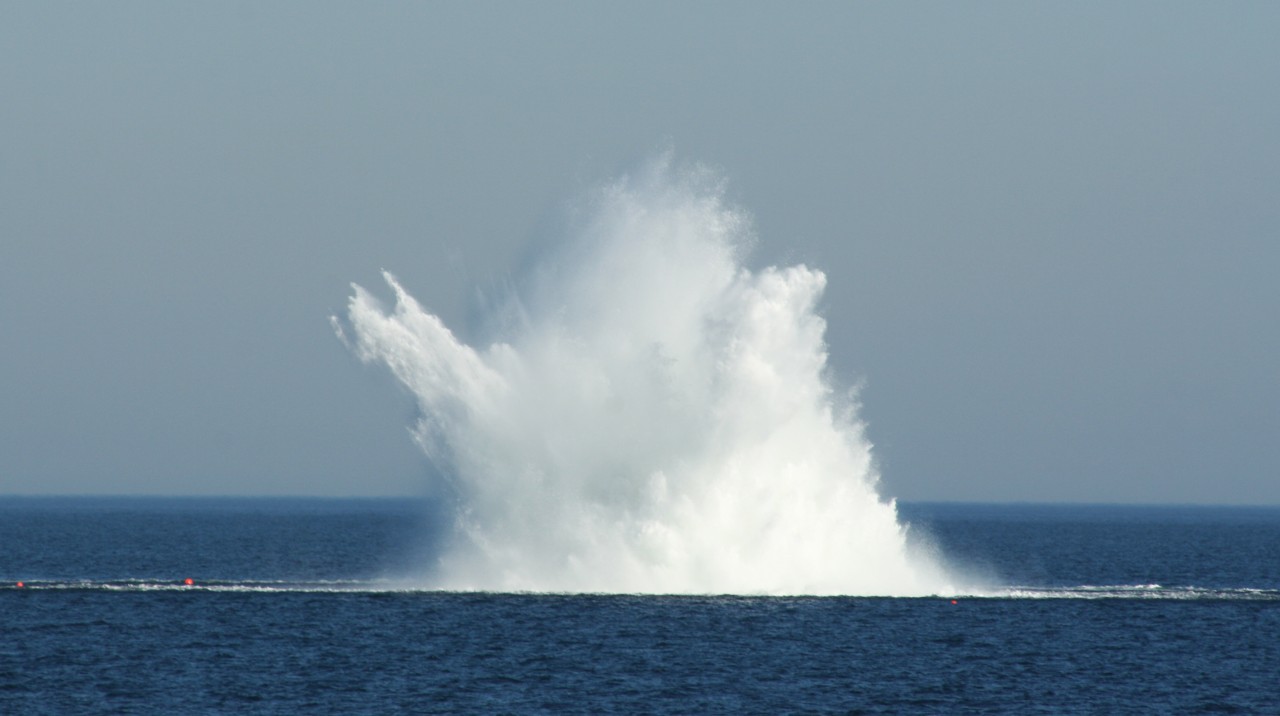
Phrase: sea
(304, 606)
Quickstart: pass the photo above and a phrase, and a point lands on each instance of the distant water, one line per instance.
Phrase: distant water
(308, 606)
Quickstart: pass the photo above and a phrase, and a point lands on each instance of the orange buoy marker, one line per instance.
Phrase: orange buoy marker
(188, 581)
(954, 601)
(21, 585)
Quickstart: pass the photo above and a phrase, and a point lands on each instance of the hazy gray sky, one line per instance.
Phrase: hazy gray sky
(1051, 230)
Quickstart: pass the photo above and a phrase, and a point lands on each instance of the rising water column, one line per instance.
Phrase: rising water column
(652, 416)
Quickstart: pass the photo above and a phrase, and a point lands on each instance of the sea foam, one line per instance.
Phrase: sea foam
(653, 416)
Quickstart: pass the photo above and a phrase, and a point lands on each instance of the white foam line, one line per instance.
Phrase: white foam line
(1087, 591)
(1137, 591)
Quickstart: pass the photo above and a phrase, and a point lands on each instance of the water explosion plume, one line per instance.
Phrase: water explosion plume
(656, 418)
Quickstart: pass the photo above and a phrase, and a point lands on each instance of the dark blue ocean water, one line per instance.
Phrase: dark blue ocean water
(1099, 610)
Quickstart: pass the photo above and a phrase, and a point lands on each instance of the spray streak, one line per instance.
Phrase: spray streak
(656, 420)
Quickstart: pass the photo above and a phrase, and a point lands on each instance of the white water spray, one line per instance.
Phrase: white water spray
(656, 418)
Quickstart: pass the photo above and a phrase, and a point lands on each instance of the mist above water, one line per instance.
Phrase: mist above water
(654, 417)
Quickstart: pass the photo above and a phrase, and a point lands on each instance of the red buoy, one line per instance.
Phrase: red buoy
(188, 581)
(21, 585)
(954, 601)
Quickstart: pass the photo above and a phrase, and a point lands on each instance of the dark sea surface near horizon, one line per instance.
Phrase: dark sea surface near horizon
(295, 609)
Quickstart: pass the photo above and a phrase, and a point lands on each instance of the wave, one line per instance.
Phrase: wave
(393, 586)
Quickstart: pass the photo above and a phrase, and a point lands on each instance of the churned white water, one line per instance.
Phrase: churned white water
(655, 417)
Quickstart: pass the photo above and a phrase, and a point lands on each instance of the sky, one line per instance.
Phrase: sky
(1051, 231)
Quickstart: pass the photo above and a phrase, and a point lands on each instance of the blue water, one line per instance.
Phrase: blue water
(295, 609)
